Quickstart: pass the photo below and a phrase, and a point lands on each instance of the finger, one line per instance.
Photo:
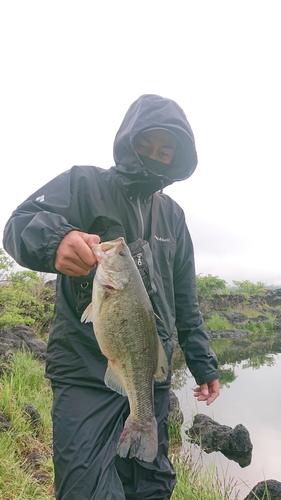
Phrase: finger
(199, 396)
(84, 252)
(93, 240)
(197, 391)
(204, 389)
(214, 391)
(211, 399)
(73, 256)
(75, 271)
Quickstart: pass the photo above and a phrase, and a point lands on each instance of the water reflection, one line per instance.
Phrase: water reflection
(250, 370)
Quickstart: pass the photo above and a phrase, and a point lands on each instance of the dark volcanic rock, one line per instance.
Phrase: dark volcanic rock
(269, 489)
(273, 297)
(228, 334)
(235, 443)
(21, 337)
(5, 424)
(236, 318)
(277, 325)
(175, 414)
(35, 418)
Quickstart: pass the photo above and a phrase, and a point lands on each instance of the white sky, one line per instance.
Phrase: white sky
(70, 69)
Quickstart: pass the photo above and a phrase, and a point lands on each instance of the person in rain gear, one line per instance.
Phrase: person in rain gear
(53, 231)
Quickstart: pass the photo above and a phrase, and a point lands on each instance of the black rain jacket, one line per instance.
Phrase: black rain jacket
(112, 203)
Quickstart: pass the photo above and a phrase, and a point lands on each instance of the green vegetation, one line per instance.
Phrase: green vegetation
(209, 285)
(26, 471)
(25, 450)
(196, 483)
(263, 326)
(248, 288)
(216, 322)
(24, 298)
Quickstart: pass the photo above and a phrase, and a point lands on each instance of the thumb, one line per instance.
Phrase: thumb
(91, 239)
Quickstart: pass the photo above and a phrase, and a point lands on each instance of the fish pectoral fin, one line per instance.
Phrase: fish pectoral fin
(113, 382)
(162, 366)
(87, 314)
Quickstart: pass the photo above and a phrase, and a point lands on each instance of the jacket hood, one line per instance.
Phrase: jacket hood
(151, 111)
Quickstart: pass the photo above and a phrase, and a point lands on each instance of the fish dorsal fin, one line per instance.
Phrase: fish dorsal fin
(87, 314)
(113, 382)
(162, 366)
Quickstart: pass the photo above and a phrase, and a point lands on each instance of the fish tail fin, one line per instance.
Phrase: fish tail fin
(141, 440)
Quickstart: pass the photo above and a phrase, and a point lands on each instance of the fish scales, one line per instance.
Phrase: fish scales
(125, 328)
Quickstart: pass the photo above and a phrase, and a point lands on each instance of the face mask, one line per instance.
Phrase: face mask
(157, 167)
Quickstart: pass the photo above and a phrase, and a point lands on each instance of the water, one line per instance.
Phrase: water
(251, 396)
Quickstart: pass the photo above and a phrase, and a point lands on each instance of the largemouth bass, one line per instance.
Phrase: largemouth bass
(124, 325)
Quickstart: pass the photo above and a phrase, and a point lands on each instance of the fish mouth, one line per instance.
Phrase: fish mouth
(107, 248)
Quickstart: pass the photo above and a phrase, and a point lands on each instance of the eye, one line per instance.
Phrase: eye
(122, 253)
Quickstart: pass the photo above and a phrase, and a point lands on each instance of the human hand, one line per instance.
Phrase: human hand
(207, 392)
(74, 255)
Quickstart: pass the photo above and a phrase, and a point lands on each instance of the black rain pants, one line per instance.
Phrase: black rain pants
(87, 423)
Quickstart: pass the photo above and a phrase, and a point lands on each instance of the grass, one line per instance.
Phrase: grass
(25, 452)
(196, 483)
(262, 327)
(26, 471)
(216, 322)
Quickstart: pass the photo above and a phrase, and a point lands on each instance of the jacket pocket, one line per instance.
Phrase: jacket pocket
(82, 288)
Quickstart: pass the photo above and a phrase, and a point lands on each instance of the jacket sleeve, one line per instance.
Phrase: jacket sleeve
(193, 339)
(36, 227)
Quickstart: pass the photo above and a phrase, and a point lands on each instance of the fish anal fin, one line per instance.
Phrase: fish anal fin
(113, 381)
(162, 365)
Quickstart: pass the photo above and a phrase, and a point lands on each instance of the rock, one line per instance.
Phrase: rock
(222, 302)
(225, 301)
(227, 334)
(21, 337)
(5, 424)
(277, 325)
(235, 443)
(3, 369)
(33, 459)
(52, 284)
(259, 319)
(41, 477)
(269, 489)
(273, 297)
(236, 318)
(175, 414)
(35, 418)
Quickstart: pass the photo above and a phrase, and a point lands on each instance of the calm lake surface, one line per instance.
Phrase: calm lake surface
(250, 395)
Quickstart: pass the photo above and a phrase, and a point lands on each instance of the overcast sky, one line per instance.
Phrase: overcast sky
(70, 69)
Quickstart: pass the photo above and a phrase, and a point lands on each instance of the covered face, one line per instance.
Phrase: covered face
(155, 144)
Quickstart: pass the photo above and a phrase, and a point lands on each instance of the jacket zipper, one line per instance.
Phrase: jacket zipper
(141, 218)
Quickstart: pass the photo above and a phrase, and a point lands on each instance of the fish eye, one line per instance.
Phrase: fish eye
(122, 253)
